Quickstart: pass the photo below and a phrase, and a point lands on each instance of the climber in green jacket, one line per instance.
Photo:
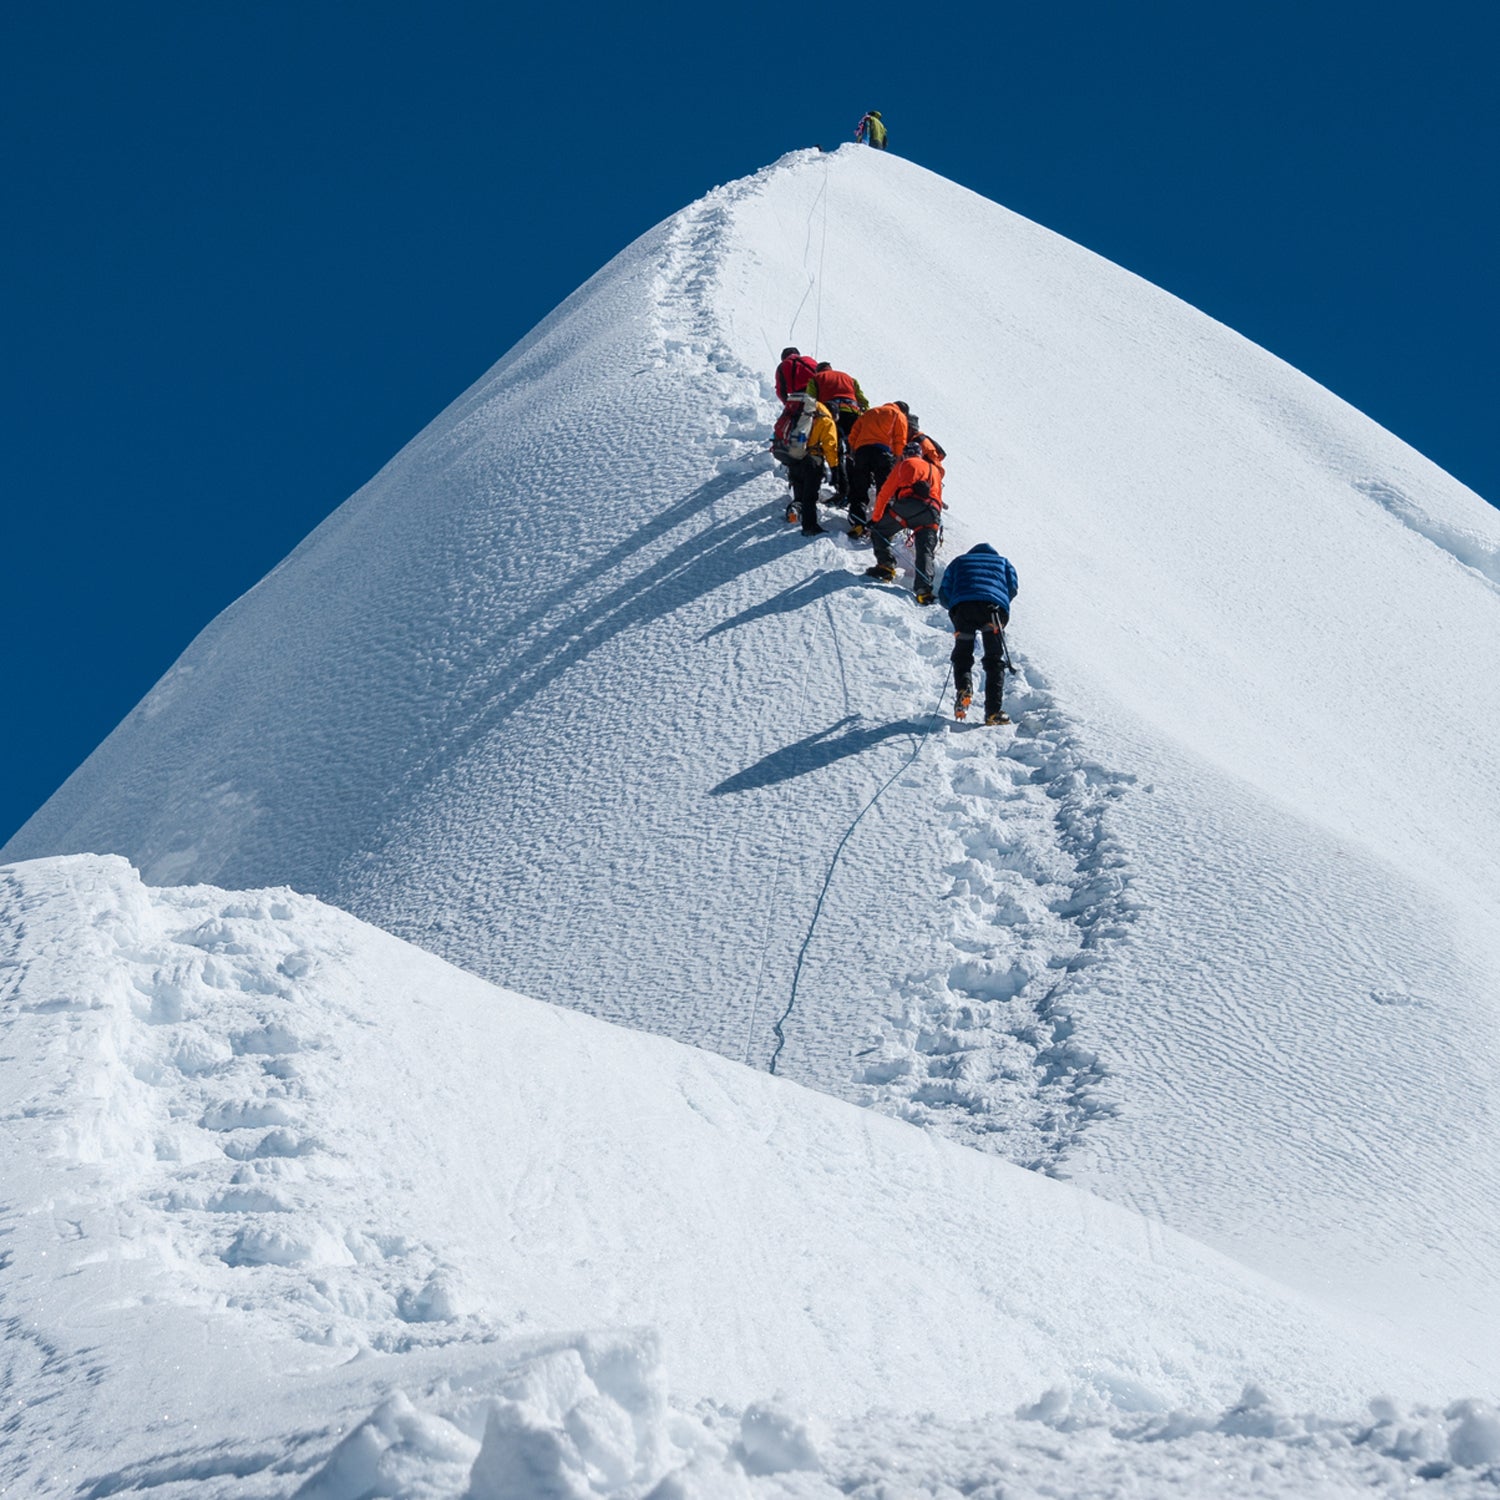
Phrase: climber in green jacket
(871, 130)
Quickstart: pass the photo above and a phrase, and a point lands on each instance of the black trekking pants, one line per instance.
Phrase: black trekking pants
(869, 468)
(844, 417)
(988, 620)
(806, 475)
(922, 517)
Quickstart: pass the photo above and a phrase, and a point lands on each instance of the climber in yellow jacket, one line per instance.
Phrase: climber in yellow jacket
(806, 472)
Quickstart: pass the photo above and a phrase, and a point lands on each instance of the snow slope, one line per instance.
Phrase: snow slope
(1213, 932)
(295, 1207)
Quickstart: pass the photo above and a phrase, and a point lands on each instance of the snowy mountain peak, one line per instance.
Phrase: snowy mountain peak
(559, 697)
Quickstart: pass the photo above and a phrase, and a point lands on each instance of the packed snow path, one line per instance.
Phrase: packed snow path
(969, 1027)
(557, 696)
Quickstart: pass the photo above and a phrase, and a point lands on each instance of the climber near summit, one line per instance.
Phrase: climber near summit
(977, 589)
(877, 436)
(871, 129)
(910, 498)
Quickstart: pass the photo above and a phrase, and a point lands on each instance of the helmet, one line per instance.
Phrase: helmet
(824, 366)
(790, 350)
(903, 407)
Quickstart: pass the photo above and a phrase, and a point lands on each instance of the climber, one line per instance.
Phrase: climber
(805, 474)
(977, 589)
(871, 129)
(875, 439)
(932, 450)
(841, 394)
(793, 373)
(910, 498)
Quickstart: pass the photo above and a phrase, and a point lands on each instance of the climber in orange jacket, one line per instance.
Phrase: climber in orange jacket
(911, 498)
(875, 441)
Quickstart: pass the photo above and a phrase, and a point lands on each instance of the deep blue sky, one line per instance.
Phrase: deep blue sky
(252, 248)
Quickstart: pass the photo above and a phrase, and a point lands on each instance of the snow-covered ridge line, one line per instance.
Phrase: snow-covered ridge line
(998, 1028)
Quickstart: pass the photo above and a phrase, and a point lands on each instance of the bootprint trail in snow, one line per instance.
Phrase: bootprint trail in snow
(982, 1041)
(981, 1033)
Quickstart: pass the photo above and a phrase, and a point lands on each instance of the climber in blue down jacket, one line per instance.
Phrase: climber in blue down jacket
(976, 591)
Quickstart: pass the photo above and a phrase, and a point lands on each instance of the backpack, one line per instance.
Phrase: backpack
(789, 438)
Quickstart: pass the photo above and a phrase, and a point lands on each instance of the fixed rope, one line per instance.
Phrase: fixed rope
(812, 927)
(760, 973)
(813, 281)
(822, 252)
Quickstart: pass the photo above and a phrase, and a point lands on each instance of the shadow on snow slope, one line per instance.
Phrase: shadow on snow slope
(822, 748)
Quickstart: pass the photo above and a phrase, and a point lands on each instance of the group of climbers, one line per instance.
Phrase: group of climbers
(880, 454)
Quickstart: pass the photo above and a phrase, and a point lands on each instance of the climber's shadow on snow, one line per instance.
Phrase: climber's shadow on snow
(798, 596)
(578, 584)
(619, 591)
(719, 487)
(818, 750)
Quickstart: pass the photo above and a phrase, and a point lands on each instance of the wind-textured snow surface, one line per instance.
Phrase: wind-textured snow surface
(1215, 931)
(296, 1208)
